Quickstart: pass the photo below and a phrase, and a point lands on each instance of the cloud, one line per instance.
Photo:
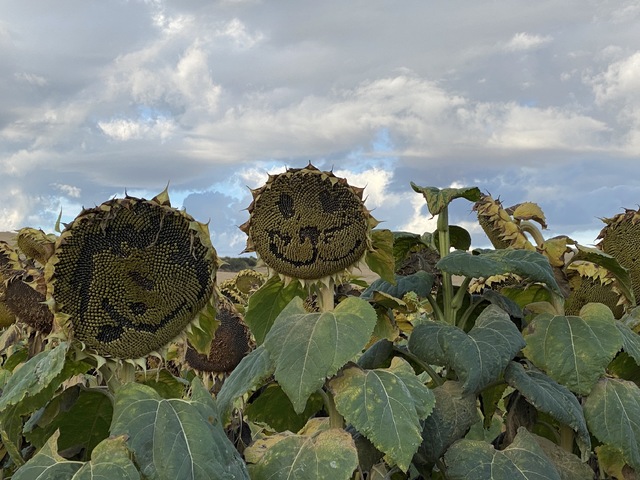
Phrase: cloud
(523, 41)
(123, 130)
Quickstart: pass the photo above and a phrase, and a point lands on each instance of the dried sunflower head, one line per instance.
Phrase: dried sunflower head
(308, 224)
(130, 275)
(24, 297)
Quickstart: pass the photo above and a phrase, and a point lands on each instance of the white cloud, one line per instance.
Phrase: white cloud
(31, 79)
(123, 130)
(621, 81)
(525, 41)
(237, 32)
(68, 190)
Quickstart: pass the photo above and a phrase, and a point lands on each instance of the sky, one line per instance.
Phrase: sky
(529, 101)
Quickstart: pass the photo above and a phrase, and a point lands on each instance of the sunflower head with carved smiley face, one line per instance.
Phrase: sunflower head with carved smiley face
(308, 224)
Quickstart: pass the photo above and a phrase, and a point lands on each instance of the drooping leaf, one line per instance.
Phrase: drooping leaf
(437, 199)
(380, 405)
(274, 408)
(308, 347)
(164, 383)
(380, 259)
(485, 263)
(479, 357)
(420, 282)
(524, 296)
(612, 411)
(328, 455)
(175, 438)
(528, 211)
(524, 459)
(453, 415)
(611, 461)
(83, 424)
(630, 341)
(109, 460)
(597, 256)
(550, 397)
(574, 351)
(267, 303)
(403, 242)
(247, 376)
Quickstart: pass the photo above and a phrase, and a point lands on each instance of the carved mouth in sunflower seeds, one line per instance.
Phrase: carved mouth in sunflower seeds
(307, 226)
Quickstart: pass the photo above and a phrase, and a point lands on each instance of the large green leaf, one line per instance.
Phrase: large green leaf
(83, 421)
(39, 376)
(385, 405)
(484, 263)
(175, 438)
(403, 242)
(621, 274)
(450, 420)
(267, 303)
(459, 238)
(109, 460)
(568, 465)
(420, 282)
(308, 347)
(252, 370)
(550, 397)
(612, 411)
(330, 454)
(524, 459)
(479, 357)
(437, 199)
(574, 351)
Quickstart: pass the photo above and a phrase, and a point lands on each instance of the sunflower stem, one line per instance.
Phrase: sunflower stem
(325, 298)
(335, 419)
(447, 284)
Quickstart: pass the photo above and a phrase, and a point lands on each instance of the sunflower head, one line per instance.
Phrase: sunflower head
(308, 224)
(36, 244)
(130, 275)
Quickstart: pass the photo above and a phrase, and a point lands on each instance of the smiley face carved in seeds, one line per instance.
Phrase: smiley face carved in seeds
(308, 224)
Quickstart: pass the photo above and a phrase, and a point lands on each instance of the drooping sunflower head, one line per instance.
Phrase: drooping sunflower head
(130, 275)
(36, 244)
(308, 224)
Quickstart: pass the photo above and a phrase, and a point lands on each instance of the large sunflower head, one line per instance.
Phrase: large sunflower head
(308, 224)
(130, 275)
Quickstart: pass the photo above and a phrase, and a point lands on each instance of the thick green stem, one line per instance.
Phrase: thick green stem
(437, 311)
(437, 379)
(447, 285)
(335, 419)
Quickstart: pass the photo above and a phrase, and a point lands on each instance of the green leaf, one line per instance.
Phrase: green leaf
(274, 408)
(630, 341)
(567, 464)
(438, 199)
(453, 415)
(612, 411)
(109, 460)
(47, 464)
(524, 296)
(384, 405)
(200, 335)
(308, 347)
(574, 351)
(380, 259)
(175, 438)
(252, 370)
(479, 357)
(403, 243)
(485, 263)
(267, 303)
(164, 383)
(38, 378)
(550, 397)
(523, 459)
(420, 282)
(83, 424)
(459, 238)
(328, 455)
(621, 274)
(377, 355)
